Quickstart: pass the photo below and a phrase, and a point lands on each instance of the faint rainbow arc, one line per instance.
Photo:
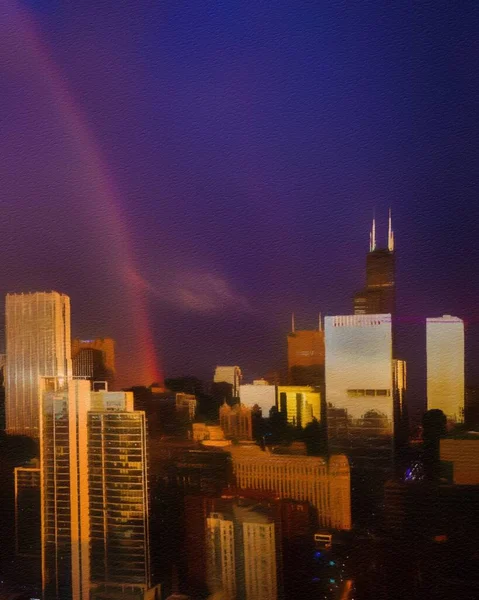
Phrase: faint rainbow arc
(89, 149)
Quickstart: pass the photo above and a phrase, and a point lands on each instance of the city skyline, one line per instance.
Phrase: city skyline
(227, 249)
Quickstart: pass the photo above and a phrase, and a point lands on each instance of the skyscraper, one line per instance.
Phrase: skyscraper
(94, 494)
(118, 498)
(359, 384)
(445, 366)
(379, 295)
(306, 355)
(38, 344)
(64, 489)
(300, 404)
(243, 552)
(94, 359)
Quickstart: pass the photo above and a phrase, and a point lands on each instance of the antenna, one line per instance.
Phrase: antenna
(390, 234)
(320, 325)
(292, 322)
(372, 235)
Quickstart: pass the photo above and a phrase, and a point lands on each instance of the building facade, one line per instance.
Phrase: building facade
(38, 344)
(235, 421)
(94, 359)
(445, 366)
(64, 490)
(359, 384)
(242, 553)
(324, 484)
(118, 495)
(300, 404)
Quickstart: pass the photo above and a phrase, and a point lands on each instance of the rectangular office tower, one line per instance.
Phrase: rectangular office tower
(445, 366)
(359, 385)
(38, 344)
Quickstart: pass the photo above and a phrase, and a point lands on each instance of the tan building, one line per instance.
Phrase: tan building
(324, 484)
(187, 403)
(464, 456)
(445, 366)
(38, 344)
(305, 348)
(300, 403)
(235, 421)
(242, 554)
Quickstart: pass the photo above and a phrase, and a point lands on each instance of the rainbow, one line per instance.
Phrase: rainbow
(145, 367)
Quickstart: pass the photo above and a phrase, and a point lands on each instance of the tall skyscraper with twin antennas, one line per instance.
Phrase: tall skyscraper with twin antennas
(379, 295)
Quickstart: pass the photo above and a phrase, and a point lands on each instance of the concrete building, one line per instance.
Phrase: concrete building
(242, 553)
(325, 484)
(231, 375)
(259, 393)
(445, 366)
(38, 344)
(299, 403)
(235, 421)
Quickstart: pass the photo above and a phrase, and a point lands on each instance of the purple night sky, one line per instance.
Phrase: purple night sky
(221, 161)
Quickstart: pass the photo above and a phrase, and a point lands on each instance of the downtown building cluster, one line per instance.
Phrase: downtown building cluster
(92, 469)
(247, 507)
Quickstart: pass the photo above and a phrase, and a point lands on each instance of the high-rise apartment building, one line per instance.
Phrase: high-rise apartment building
(118, 498)
(359, 385)
(379, 295)
(445, 366)
(325, 484)
(94, 359)
(38, 344)
(94, 494)
(242, 553)
(300, 404)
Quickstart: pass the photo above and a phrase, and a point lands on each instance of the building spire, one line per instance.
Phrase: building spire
(372, 235)
(390, 234)
(292, 322)
(320, 325)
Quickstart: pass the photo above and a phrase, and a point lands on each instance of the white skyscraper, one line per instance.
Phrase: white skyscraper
(359, 385)
(38, 344)
(445, 366)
